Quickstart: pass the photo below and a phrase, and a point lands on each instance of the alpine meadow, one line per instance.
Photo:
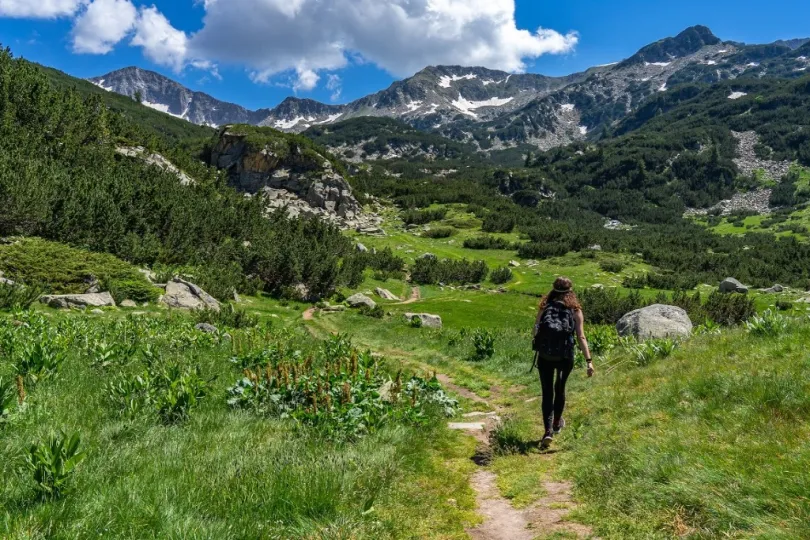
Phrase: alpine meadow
(319, 321)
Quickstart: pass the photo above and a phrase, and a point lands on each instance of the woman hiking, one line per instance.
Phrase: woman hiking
(559, 319)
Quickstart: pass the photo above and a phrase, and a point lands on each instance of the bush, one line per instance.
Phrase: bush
(645, 353)
(508, 437)
(487, 242)
(729, 309)
(140, 291)
(612, 265)
(498, 223)
(53, 462)
(784, 305)
(416, 322)
(430, 271)
(423, 217)
(376, 312)
(607, 306)
(8, 398)
(439, 232)
(502, 275)
(38, 360)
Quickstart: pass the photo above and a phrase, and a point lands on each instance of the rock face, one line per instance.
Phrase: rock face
(288, 176)
(385, 294)
(139, 152)
(655, 322)
(428, 320)
(181, 294)
(67, 301)
(731, 285)
(360, 300)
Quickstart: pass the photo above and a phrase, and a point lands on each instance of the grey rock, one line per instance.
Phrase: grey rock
(139, 152)
(428, 320)
(67, 301)
(182, 294)
(655, 322)
(385, 294)
(776, 289)
(731, 285)
(361, 248)
(128, 304)
(595, 247)
(514, 264)
(207, 328)
(97, 312)
(360, 300)
(333, 309)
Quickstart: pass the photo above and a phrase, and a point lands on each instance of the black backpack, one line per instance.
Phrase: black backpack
(555, 334)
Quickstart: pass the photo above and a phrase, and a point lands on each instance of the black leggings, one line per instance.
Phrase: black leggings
(553, 392)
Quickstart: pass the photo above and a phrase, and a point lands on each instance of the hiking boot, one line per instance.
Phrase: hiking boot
(547, 439)
(558, 427)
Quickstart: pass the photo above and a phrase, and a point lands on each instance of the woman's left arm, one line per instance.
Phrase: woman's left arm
(579, 318)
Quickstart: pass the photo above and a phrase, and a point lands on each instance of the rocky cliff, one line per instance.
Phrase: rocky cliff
(290, 173)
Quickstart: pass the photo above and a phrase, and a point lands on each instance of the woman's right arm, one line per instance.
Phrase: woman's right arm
(579, 318)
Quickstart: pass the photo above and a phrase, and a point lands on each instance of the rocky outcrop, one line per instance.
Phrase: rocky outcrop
(360, 300)
(128, 304)
(427, 320)
(206, 328)
(287, 175)
(67, 301)
(139, 152)
(655, 322)
(385, 294)
(748, 162)
(731, 285)
(181, 294)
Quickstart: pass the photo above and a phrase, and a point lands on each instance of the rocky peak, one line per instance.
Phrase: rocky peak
(686, 43)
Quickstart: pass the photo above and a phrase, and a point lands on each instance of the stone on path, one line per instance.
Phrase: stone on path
(467, 426)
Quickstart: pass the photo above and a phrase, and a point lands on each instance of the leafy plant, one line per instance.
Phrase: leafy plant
(649, 351)
(18, 296)
(177, 391)
(39, 360)
(8, 398)
(416, 322)
(53, 463)
(770, 323)
(484, 344)
(229, 316)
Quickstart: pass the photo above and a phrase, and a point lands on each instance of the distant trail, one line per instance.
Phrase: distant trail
(416, 295)
(309, 314)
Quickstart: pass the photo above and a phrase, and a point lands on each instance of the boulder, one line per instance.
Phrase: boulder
(361, 248)
(67, 301)
(97, 312)
(207, 328)
(4, 281)
(128, 304)
(655, 322)
(385, 294)
(360, 300)
(182, 294)
(514, 264)
(731, 285)
(776, 289)
(428, 320)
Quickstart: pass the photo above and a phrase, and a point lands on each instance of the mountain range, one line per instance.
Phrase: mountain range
(494, 110)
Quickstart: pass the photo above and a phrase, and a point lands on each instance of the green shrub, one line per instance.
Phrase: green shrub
(376, 312)
(38, 360)
(508, 437)
(607, 306)
(729, 309)
(439, 232)
(430, 271)
(502, 275)
(612, 265)
(488, 242)
(8, 398)
(140, 291)
(784, 305)
(53, 462)
(423, 217)
(416, 322)
(645, 353)
(177, 391)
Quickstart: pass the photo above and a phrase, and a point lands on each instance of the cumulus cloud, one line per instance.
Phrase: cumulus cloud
(161, 42)
(307, 79)
(39, 9)
(102, 25)
(400, 36)
(335, 85)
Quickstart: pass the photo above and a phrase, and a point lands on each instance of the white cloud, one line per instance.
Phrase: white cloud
(39, 9)
(161, 42)
(400, 36)
(335, 85)
(102, 25)
(307, 79)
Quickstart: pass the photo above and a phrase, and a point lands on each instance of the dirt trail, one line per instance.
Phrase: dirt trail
(309, 314)
(502, 521)
(416, 295)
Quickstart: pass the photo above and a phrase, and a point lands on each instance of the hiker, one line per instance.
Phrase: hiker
(559, 318)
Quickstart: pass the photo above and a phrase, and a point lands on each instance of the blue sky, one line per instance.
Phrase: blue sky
(257, 52)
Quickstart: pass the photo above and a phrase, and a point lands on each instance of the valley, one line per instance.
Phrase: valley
(315, 321)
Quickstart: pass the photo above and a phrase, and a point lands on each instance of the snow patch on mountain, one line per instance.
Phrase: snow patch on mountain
(568, 107)
(466, 106)
(737, 95)
(447, 81)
